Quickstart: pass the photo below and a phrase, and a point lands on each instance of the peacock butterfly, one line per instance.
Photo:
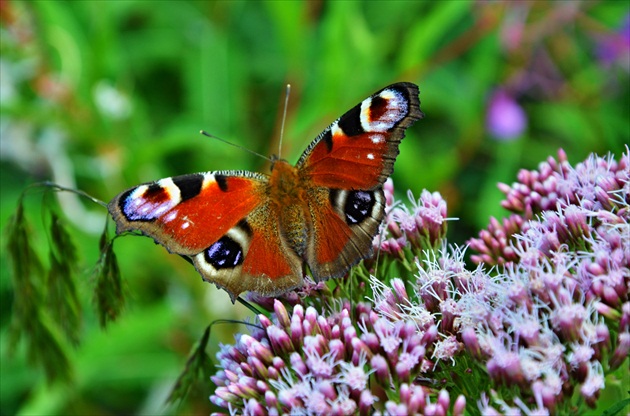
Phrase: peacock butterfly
(246, 231)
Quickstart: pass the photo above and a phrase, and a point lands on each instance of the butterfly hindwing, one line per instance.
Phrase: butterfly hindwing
(352, 219)
(252, 256)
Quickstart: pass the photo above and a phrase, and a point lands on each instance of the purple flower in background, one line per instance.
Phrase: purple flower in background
(614, 47)
(505, 118)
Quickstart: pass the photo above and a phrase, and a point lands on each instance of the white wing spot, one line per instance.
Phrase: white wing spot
(137, 207)
(377, 138)
(185, 225)
(370, 156)
(171, 216)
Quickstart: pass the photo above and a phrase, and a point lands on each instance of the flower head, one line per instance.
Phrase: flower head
(540, 318)
(505, 118)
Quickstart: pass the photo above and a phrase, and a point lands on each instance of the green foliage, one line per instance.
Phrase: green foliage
(31, 320)
(616, 408)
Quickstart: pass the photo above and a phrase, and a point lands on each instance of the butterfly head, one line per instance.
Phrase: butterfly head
(273, 159)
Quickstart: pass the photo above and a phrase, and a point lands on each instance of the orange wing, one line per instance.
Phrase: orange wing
(346, 166)
(222, 221)
(188, 213)
(358, 150)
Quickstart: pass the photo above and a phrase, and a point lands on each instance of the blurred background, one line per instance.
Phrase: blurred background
(101, 96)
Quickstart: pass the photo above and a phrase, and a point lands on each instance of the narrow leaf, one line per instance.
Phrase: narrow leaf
(48, 349)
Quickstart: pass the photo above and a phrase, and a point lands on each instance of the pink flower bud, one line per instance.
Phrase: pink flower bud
(366, 401)
(270, 399)
(621, 352)
(296, 331)
(371, 340)
(298, 364)
(281, 314)
(254, 408)
(337, 349)
(264, 321)
(379, 364)
(259, 369)
(459, 407)
(280, 340)
(469, 336)
(444, 400)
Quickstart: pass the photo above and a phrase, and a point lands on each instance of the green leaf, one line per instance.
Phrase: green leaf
(617, 407)
(47, 348)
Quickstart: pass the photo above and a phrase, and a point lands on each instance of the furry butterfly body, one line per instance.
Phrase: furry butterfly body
(247, 231)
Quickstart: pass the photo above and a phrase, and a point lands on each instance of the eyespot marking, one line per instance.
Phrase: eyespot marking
(358, 206)
(148, 202)
(381, 112)
(226, 253)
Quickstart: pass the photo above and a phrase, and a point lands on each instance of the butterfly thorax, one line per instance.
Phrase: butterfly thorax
(284, 184)
(288, 196)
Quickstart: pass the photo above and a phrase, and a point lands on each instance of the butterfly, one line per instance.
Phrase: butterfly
(247, 231)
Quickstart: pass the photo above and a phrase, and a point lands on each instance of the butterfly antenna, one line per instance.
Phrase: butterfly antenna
(235, 145)
(284, 117)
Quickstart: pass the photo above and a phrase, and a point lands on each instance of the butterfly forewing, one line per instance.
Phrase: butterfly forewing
(358, 150)
(188, 213)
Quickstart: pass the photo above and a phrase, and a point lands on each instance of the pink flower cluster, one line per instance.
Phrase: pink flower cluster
(549, 321)
(420, 228)
(350, 361)
(534, 326)
(572, 198)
